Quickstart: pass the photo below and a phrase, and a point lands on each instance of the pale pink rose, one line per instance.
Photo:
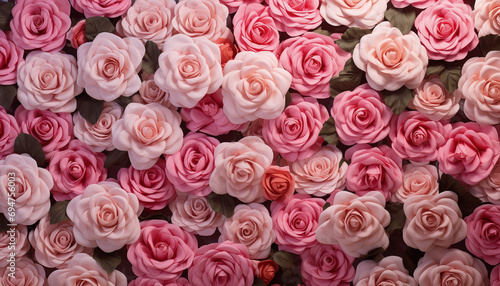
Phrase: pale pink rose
(361, 116)
(495, 276)
(10, 130)
(201, 18)
(390, 59)
(163, 250)
(295, 18)
(417, 180)
(223, 263)
(188, 69)
(40, 24)
(373, 169)
(108, 75)
(233, 5)
(207, 116)
(487, 189)
(148, 20)
(446, 30)
(254, 128)
(98, 136)
(486, 14)
(320, 174)
(31, 186)
(110, 9)
(105, 216)
(146, 132)
(388, 271)
(434, 101)
(195, 215)
(83, 269)
(442, 267)
(326, 265)
(419, 4)
(356, 223)
(433, 221)
(27, 273)
(20, 245)
(146, 281)
(151, 186)
(76, 35)
(239, 168)
(263, 87)
(12, 56)
(470, 152)
(255, 29)
(295, 222)
(483, 233)
(312, 59)
(149, 92)
(364, 14)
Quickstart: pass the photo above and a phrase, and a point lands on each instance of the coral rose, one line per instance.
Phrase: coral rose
(27, 273)
(12, 56)
(255, 29)
(277, 183)
(20, 247)
(295, 18)
(76, 35)
(485, 15)
(326, 265)
(483, 233)
(110, 9)
(364, 14)
(10, 130)
(417, 180)
(267, 270)
(388, 271)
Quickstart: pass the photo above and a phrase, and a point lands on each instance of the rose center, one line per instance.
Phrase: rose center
(490, 231)
(189, 68)
(75, 170)
(450, 279)
(254, 86)
(328, 262)
(419, 136)
(430, 220)
(445, 28)
(465, 152)
(161, 250)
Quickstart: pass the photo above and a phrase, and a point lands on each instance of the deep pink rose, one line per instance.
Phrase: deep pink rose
(483, 233)
(417, 181)
(9, 131)
(21, 246)
(233, 5)
(495, 276)
(295, 18)
(110, 9)
(254, 28)
(487, 189)
(27, 273)
(485, 14)
(76, 35)
(12, 56)
(364, 14)
(388, 271)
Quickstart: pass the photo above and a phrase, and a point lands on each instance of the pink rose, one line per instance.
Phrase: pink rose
(487, 189)
(483, 233)
(233, 5)
(361, 116)
(470, 152)
(295, 222)
(27, 273)
(362, 14)
(373, 169)
(151, 186)
(149, 92)
(20, 246)
(105, 216)
(10, 130)
(108, 75)
(12, 56)
(239, 168)
(146, 281)
(110, 9)
(223, 263)
(390, 59)
(76, 35)
(295, 18)
(312, 59)
(419, 4)
(277, 183)
(254, 128)
(31, 187)
(485, 15)
(326, 265)
(388, 271)
(356, 223)
(40, 24)
(162, 251)
(146, 132)
(417, 180)
(255, 29)
(495, 276)
(188, 69)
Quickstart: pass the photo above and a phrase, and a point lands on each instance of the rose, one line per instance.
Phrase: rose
(267, 270)
(10, 130)
(362, 14)
(27, 273)
(390, 59)
(19, 174)
(417, 180)
(495, 276)
(239, 168)
(254, 128)
(82, 269)
(188, 69)
(151, 186)
(146, 281)
(76, 35)
(148, 21)
(312, 59)
(40, 24)
(419, 4)
(223, 263)
(48, 81)
(295, 222)
(470, 152)
(149, 92)
(227, 50)
(483, 233)
(324, 265)
(105, 216)
(107, 75)
(295, 18)
(361, 116)
(485, 15)
(21, 247)
(373, 169)
(146, 132)
(356, 223)
(233, 5)
(162, 251)
(110, 9)
(487, 189)
(446, 30)
(255, 29)
(388, 271)
(277, 183)
(12, 56)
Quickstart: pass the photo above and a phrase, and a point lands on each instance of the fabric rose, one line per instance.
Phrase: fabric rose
(443, 267)
(417, 180)
(312, 60)
(81, 269)
(188, 69)
(195, 215)
(27, 273)
(390, 59)
(388, 271)
(108, 66)
(239, 168)
(495, 276)
(483, 233)
(326, 265)
(12, 56)
(223, 263)
(148, 20)
(433, 221)
(485, 15)
(434, 101)
(163, 250)
(419, 4)
(295, 18)
(40, 24)
(267, 270)
(105, 216)
(228, 50)
(255, 29)
(254, 128)
(373, 169)
(470, 152)
(364, 14)
(19, 174)
(146, 132)
(254, 87)
(487, 189)
(446, 30)
(10, 130)
(76, 35)
(149, 92)
(20, 247)
(277, 183)
(356, 223)
(146, 281)
(233, 5)
(110, 9)
(361, 116)
(295, 222)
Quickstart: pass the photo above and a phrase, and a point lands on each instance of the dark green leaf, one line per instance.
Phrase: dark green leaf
(466, 201)
(351, 38)
(291, 277)
(117, 158)
(322, 32)
(150, 60)
(123, 101)
(5, 15)
(285, 260)
(58, 212)
(329, 133)
(398, 217)
(434, 69)
(326, 205)
(28, 144)
(223, 204)
(348, 79)
(157, 215)
(89, 108)
(374, 254)
(489, 43)
(258, 282)
(450, 77)
(401, 18)
(7, 95)
(397, 100)
(288, 99)
(108, 261)
(96, 25)
(4, 223)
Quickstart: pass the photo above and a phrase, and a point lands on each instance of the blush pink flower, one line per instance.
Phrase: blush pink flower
(483, 233)
(10, 130)
(295, 18)
(150, 92)
(20, 247)
(255, 29)
(364, 14)
(27, 273)
(233, 5)
(485, 15)
(76, 35)
(417, 181)
(487, 189)
(110, 9)
(389, 270)
(419, 4)
(12, 56)
(326, 265)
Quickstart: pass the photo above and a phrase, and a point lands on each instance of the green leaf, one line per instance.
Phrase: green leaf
(285, 260)
(96, 25)
(450, 77)
(150, 60)
(398, 217)
(351, 38)
(326, 205)
(397, 100)
(288, 99)
(25, 143)
(108, 261)
(348, 79)
(117, 158)
(7, 95)
(434, 69)
(5, 15)
(123, 101)
(489, 43)
(466, 201)
(223, 204)
(89, 108)
(322, 32)
(401, 18)
(329, 133)
(57, 212)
